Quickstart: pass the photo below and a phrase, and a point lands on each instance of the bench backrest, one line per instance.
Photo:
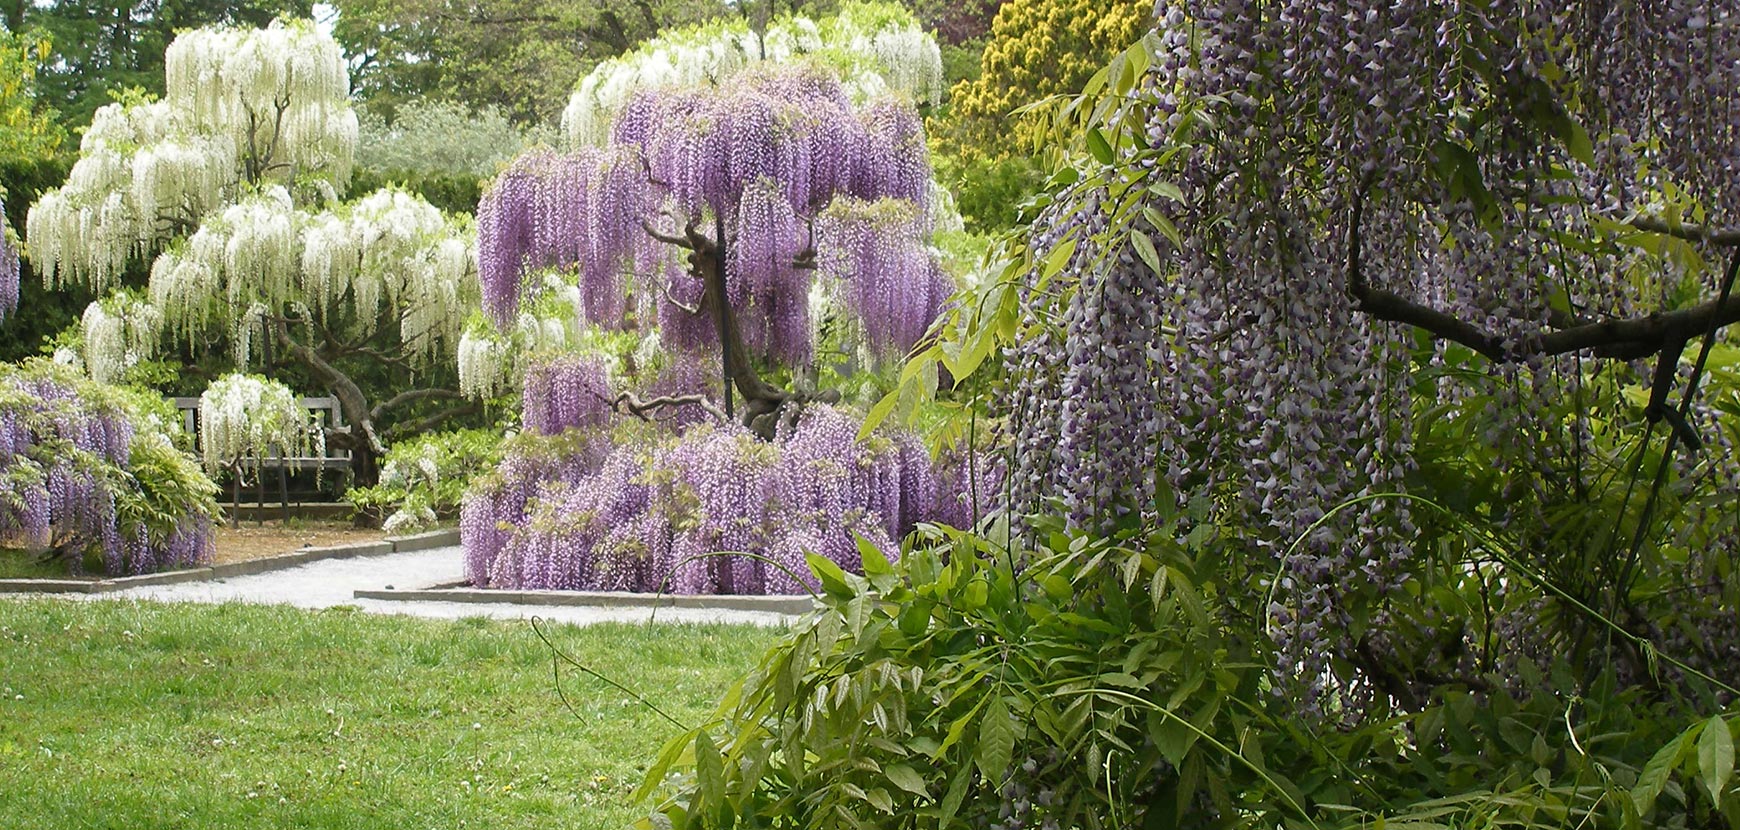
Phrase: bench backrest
(327, 413)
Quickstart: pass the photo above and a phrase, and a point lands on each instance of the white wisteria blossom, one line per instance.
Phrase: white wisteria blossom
(245, 420)
(875, 48)
(119, 331)
(230, 185)
(242, 106)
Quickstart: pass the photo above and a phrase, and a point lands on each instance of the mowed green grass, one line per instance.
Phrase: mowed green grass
(137, 715)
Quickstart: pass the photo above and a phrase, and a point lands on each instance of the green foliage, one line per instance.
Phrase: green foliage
(1125, 681)
(989, 191)
(519, 57)
(101, 47)
(28, 129)
(452, 192)
(442, 137)
(1037, 48)
(424, 478)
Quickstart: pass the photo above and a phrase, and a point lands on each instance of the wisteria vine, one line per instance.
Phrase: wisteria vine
(763, 159)
(8, 267)
(1315, 186)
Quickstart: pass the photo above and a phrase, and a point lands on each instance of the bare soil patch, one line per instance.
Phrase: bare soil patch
(251, 540)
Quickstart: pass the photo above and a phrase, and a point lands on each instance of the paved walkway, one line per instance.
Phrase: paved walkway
(331, 582)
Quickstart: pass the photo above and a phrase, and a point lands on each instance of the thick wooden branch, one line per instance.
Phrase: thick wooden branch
(412, 396)
(1625, 339)
(1720, 237)
(350, 396)
(645, 409)
(431, 421)
(668, 239)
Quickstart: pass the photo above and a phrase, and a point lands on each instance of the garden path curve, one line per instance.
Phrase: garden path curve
(331, 582)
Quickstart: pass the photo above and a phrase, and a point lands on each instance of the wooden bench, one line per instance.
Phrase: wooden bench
(327, 414)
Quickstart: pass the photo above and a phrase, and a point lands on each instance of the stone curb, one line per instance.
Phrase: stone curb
(396, 544)
(598, 599)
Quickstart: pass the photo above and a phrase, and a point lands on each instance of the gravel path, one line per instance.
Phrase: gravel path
(330, 582)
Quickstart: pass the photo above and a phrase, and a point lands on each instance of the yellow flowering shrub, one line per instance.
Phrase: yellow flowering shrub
(1037, 48)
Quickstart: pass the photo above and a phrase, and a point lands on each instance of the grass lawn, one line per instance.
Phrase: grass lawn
(123, 715)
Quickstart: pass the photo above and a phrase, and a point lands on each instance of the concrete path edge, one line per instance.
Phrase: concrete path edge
(394, 544)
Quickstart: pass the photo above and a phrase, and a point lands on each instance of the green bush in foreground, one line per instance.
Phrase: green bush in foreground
(1118, 682)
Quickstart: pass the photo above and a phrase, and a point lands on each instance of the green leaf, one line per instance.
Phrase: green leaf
(1126, 76)
(673, 751)
(709, 771)
(880, 799)
(1058, 258)
(906, 778)
(1655, 773)
(1163, 225)
(832, 578)
(957, 729)
(1167, 190)
(1715, 757)
(1577, 141)
(878, 414)
(996, 740)
(876, 565)
(1098, 146)
(951, 803)
(1145, 249)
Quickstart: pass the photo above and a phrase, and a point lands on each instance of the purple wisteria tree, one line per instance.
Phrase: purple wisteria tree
(726, 227)
(711, 212)
(8, 266)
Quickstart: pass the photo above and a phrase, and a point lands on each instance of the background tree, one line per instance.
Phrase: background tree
(102, 48)
(667, 211)
(512, 55)
(1036, 49)
(31, 139)
(93, 476)
(256, 124)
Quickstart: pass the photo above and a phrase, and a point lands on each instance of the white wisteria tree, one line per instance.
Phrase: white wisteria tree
(230, 184)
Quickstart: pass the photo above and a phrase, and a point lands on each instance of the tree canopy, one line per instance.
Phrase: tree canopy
(234, 178)
(1037, 49)
(103, 47)
(513, 55)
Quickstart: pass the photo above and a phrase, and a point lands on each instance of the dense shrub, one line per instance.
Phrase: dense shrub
(93, 476)
(424, 478)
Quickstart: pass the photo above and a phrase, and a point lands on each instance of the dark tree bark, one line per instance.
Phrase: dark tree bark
(762, 401)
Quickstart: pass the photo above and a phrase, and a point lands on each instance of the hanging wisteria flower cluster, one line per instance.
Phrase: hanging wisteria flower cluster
(565, 392)
(1311, 177)
(390, 250)
(8, 266)
(875, 48)
(247, 420)
(645, 515)
(242, 106)
(118, 332)
(85, 475)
